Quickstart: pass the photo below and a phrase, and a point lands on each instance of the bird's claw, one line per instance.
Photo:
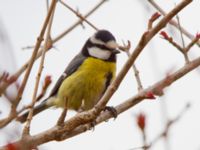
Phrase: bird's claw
(112, 110)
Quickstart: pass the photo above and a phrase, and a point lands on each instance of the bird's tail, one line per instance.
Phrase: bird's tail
(44, 105)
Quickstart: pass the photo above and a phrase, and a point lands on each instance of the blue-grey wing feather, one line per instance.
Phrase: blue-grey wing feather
(71, 68)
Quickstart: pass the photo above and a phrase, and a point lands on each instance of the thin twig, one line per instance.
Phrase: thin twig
(142, 43)
(157, 88)
(34, 99)
(78, 22)
(153, 18)
(86, 117)
(13, 113)
(173, 22)
(126, 48)
(194, 41)
(164, 133)
(171, 41)
(4, 86)
(78, 15)
(136, 73)
(182, 39)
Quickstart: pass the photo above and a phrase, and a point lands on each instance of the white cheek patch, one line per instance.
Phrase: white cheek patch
(99, 53)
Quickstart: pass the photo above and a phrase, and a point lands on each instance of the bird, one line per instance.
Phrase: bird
(86, 78)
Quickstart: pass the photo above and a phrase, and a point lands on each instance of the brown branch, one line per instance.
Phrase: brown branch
(4, 86)
(29, 67)
(142, 43)
(177, 46)
(194, 41)
(81, 121)
(182, 40)
(171, 41)
(34, 98)
(126, 48)
(79, 21)
(78, 15)
(136, 73)
(47, 82)
(173, 22)
(154, 17)
(164, 133)
(157, 89)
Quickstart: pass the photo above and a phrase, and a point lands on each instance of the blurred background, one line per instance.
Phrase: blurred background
(20, 25)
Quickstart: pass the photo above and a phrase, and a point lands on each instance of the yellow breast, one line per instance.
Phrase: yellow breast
(85, 86)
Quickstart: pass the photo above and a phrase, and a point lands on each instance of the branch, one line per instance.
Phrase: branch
(173, 22)
(78, 22)
(41, 66)
(31, 62)
(142, 43)
(81, 121)
(165, 132)
(79, 15)
(182, 40)
(56, 133)
(4, 86)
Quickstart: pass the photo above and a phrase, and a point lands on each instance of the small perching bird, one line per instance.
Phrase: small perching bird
(86, 78)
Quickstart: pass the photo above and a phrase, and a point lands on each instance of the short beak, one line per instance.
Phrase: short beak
(112, 45)
(115, 51)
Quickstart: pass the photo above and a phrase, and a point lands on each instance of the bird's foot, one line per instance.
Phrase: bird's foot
(112, 110)
(92, 125)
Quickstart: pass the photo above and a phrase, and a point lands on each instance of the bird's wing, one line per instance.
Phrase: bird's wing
(71, 68)
(109, 77)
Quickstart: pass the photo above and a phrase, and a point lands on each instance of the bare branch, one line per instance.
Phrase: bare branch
(4, 86)
(172, 22)
(81, 121)
(30, 64)
(142, 43)
(34, 98)
(157, 88)
(78, 15)
(182, 39)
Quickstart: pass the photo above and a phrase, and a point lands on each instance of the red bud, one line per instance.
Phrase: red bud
(141, 121)
(48, 80)
(150, 95)
(164, 34)
(155, 16)
(11, 146)
(198, 35)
